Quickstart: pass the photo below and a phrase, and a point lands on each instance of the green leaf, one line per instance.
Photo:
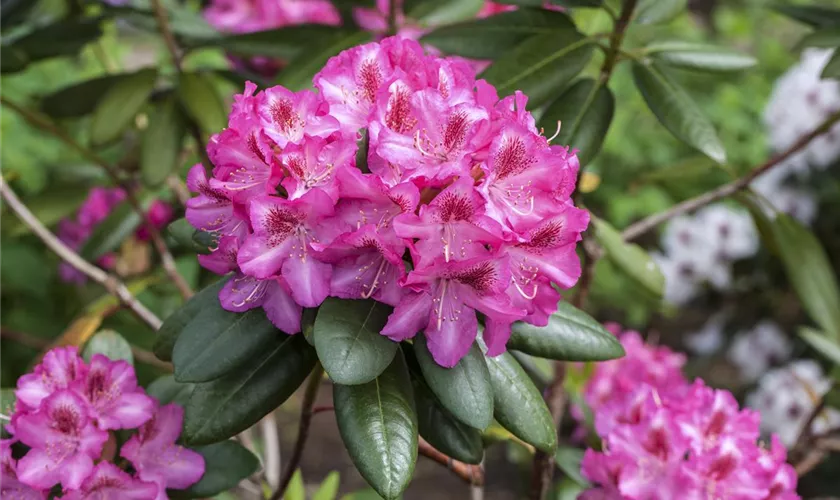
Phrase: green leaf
(585, 111)
(120, 104)
(175, 323)
(226, 464)
(698, 56)
(491, 37)
(826, 38)
(12, 60)
(296, 489)
(443, 431)
(110, 344)
(110, 233)
(464, 389)
(79, 99)
(568, 460)
(629, 257)
(832, 67)
(810, 273)
(7, 406)
(329, 487)
(677, 111)
(660, 11)
(226, 406)
(284, 43)
(182, 232)
(160, 145)
(438, 12)
(298, 73)
(518, 404)
(540, 66)
(362, 149)
(15, 12)
(167, 390)
(822, 343)
(348, 341)
(201, 100)
(61, 38)
(571, 335)
(216, 342)
(813, 15)
(378, 424)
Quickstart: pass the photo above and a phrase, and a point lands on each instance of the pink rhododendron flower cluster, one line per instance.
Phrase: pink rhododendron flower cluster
(456, 182)
(96, 207)
(64, 414)
(666, 438)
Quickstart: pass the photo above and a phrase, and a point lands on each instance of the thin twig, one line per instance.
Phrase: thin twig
(111, 283)
(641, 227)
(309, 396)
(616, 38)
(472, 474)
(167, 261)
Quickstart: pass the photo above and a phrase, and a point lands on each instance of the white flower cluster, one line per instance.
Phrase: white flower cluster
(700, 249)
(756, 350)
(800, 102)
(787, 396)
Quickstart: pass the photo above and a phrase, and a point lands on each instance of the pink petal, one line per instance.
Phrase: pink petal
(281, 309)
(409, 317)
(308, 279)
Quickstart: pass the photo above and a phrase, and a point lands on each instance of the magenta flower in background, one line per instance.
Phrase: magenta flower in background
(115, 400)
(58, 370)
(10, 486)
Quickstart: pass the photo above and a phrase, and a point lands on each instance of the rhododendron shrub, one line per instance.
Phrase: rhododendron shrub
(456, 207)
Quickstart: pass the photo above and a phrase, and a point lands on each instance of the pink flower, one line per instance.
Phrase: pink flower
(315, 165)
(108, 481)
(116, 401)
(286, 116)
(58, 370)
(10, 486)
(213, 210)
(159, 215)
(243, 292)
(64, 442)
(156, 457)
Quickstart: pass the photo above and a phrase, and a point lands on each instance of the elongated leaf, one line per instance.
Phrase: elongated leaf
(201, 100)
(226, 406)
(518, 405)
(284, 43)
(329, 487)
(568, 460)
(540, 66)
(216, 342)
(175, 323)
(378, 423)
(107, 236)
(585, 111)
(810, 273)
(296, 489)
(491, 37)
(699, 56)
(182, 233)
(629, 257)
(300, 70)
(677, 111)
(225, 465)
(660, 11)
(61, 38)
(571, 335)
(110, 344)
(439, 12)
(167, 390)
(78, 99)
(443, 431)
(120, 104)
(826, 38)
(161, 142)
(348, 341)
(813, 15)
(464, 389)
(822, 343)
(832, 67)
(15, 12)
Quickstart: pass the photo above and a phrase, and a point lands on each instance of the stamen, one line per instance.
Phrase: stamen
(522, 292)
(440, 304)
(555, 133)
(366, 295)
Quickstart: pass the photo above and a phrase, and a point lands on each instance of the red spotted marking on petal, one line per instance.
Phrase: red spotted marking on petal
(546, 236)
(481, 277)
(280, 223)
(511, 158)
(454, 207)
(370, 79)
(455, 131)
(283, 114)
(398, 116)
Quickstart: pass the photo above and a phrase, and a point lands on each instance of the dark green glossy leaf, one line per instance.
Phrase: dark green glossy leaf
(61, 38)
(182, 232)
(167, 390)
(284, 43)
(440, 12)
(585, 111)
(110, 344)
(813, 15)
(832, 67)
(659, 11)
(518, 404)
(226, 464)
(491, 37)
(298, 73)
(540, 66)
(200, 98)
(568, 460)
(160, 145)
(698, 56)
(677, 111)
(176, 322)
(822, 343)
(216, 342)
(378, 424)
(464, 389)
(226, 406)
(629, 257)
(120, 104)
(571, 335)
(348, 341)
(110, 233)
(78, 99)
(443, 431)
(205, 240)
